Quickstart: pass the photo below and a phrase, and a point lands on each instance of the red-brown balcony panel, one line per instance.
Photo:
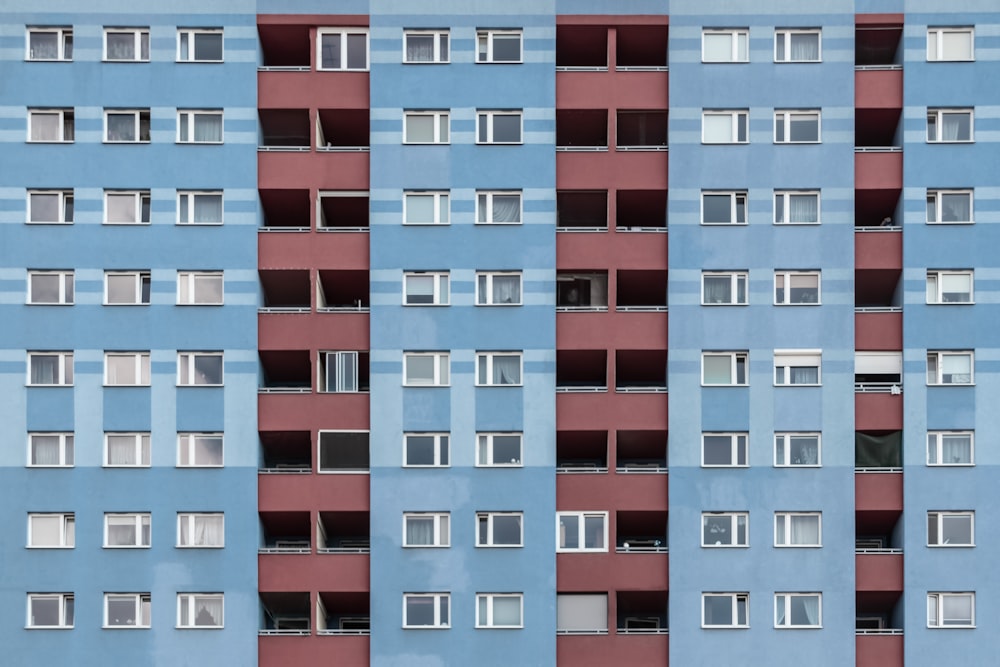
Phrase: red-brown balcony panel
(637, 129)
(343, 613)
(597, 170)
(879, 614)
(582, 209)
(284, 129)
(636, 89)
(878, 170)
(879, 89)
(642, 612)
(641, 290)
(878, 492)
(285, 290)
(879, 650)
(303, 87)
(582, 46)
(628, 328)
(641, 370)
(342, 209)
(640, 452)
(601, 651)
(582, 370)
(878, 411)
(286, 452)
(878, 330)
(281, 651)
(603, 410)
(285, 208)
(582, 129)
(637, 250)
(612, 570)
(322, 250)
(285, 412)
(287, 571)
(878, 250)
(876, 40)
(342, 291)
(579, 488)
(286, 532)
(641, 209)
(285, 45)
(330, 168)
(285, 371)
(879, 571)
(314, 332)
(346, 532)
(286, 491)
(343, 129)
(582, 451)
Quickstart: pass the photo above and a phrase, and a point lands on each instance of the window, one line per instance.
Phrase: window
(797, 450)
(128, 369)
(126, 450)
(498, 450)
(727, 288)
(498, 46)
(429, 450)
(126, 530)
(425, 46)
(50, 43)
(723, 208)
(949, 125)
(426, 529)
(582, 613)
(724, 529)
(498, 207)
(498, 127)
(795, 127)
(724, 368)
(498, 368)
(199, 127)
(798, 529)
(724, 450)
(199, 368)
(199, 450)
(49, 369)
(725, 610)
(949, 367)
(951, 529)
(50, 206)
(724, 127)
(796, 207)
(426, 208)
(499, 529)
(797, 367)
(51, 125)
(950, 448)
(422, 288)
(127, 610)
(52, 531)
(199, 288)
(949, 286)
(951, 610)
(199, 610)
(50, 288)
(126, 207)
(797, 46)
(126, 126)
(581, 531)
(796, 288)
(50, 450)
(496, 288)
(425, 369)
(426, 610)
(126, 288)
(342, 49)
(50, 610)
(499, 610)
(126, 44)
(425, 127)
(950, 44)
(798, 610)
(199, 208)
(725, 45)
(199, 45)
(338, 372)
(949, 206)
(201, 530)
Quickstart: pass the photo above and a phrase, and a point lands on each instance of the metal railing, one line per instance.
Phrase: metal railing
(641, 309)
(284, 68)
(628, 229)
(295, 633)
(284, 550)
(642, 68)
(282, 228)
(642, 631)
(878, 309)
(582, 229)
(894, 388)
(344, 550)
(877, 68)
(655, 389)
(641, 469)
(582, 632)
(283, 149)
(343, 309)
(284, 309)
(878, 470)
(878, 551)
(641, 550)
(284, 390)
(343, 149)
(352, 633)
(290, 470)
(880, 631)
(581, 309)
(639, 149)
(591, 389)
(878, 149)
(343, 229)
(581, 469)
(878, 228)
(581, 149)
(581, 68)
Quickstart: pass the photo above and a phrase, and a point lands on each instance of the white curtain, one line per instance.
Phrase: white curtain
(506, 611)
(810, 605)
(506, 289)
(805, 529)
(506, 208)
(420, 48)
(208, 611)
(45, 450)
(45, 46)
(206, 531)
(955, 208)
(208, 127)
(718, 289)
(420, 531)
(121, 46)
(803, 208)
(121, 127)
(804, 375)
(121, 450)
(956, 449)
(121, 531)
(805, 47)
(207, 208)
(44, 369)
(506, 370)
(208, 451)
(954, 127)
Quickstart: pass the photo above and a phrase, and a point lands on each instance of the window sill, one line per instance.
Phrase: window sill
(126, 143)
(201, 62)
(32, 303)
(48, 141)
(49, 386)
(199, 143)
(48, 627)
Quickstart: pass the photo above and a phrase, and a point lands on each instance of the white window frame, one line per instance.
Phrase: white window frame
(784, 36)
(935, 610)
(783, 522)
(67, 530)
(141, 207)
(187, 287)
(784, 118)
(936, 294)
(783, 210)
(138, 35)
(187, 119)
(442, 209)
(739, 124)
(139, 520)
(938, 114)
(484, 206)
(736, 600)
(739, 449)
(65, 441)
(737, 199)
(734, 530)
(442, 449)
(581, 534)
(783, 602)
(138, 278)
(485, 47)
(442, 126)
(935, 43)
(441, 43)
(64, 39)
(488, 358)
(140, 448)
(488, 600)
(187, 605)
(338, 372)
(489, 519)
(486, 453)
(939, 517)
(186, 200)
(440, 290)
(140, 368)
(786, 280)
(442, 610)
(441, 522)
(186, 369)
(344, 33)
(738, 280)
(136, 126)
(786, 360)
(485, 279)
(67, 288)
(938, 356)
(192, 519)
(187, 450)
(65, 378)
(935, 448)
(63, 114)
(783, 449)
(66, 602)
(935, 200)
(485, 120)
(442, 374)
(186, 38)
(737, 37)
(143, 607)
(65, 206)
(736, 359)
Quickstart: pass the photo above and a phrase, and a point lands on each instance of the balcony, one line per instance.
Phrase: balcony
(631, 329)
(342, 291)
(343, 613)
(286, 452)
(641, 613)
(641, 370)
(625, 649)
(641, 210)
(285, 533)
(582, 130)
(285, 372)
(879, 617)
(579, 487)
(640, 452)
(879, 571)
(581, 291)
(878, 328)
(639, 532)
(581, 210)
(284, 130)
(582, 371)
(878, 411)
(879, 648)
(290, 329)
(343, 533)
(285, 209)
(581, 451)
(289, 412)
(284, 613)
(285, 291)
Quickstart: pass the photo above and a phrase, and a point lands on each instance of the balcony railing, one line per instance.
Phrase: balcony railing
(642, 68)
(650, 389)
(583, 389)
(894, 388)
(874, 470)
(344, 550)
(582, 68)
(642, 631)
(876, 68)
(285, 550)
(285, 470)
(284, 68)
(343, 149)
(283, 229)
(630, 548)
(878, 309)
(640, 468)
(878, 149)
(284, 309)
(581, 309)
(878, 551)
(638, 149)
(880, 631)
(343, 633)
(283, 149)
(582, 632)
(581, 149)
(582, 469)
(294, 633)
(284, 390)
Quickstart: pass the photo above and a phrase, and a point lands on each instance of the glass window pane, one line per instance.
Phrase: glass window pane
(207, 46)
(420, 129)
(507, 128)
(330, 51)
(717, 208)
